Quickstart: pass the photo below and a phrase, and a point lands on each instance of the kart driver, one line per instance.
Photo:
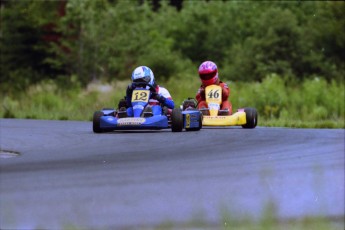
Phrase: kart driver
(208, 73)
(159, 95)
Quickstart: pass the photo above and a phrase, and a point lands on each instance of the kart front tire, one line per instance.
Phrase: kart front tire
(96, 122)
(176, 120)
(251, 117)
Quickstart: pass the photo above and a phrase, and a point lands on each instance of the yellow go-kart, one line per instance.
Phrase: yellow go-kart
(212, 116)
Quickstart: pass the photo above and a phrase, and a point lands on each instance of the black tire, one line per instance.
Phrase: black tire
(176, 120)
(251, 117)
(200, 124)
(96, 122)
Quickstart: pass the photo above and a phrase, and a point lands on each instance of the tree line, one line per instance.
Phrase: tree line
(75, 42)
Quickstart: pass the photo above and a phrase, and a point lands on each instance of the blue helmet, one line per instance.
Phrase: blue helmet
(143, 74)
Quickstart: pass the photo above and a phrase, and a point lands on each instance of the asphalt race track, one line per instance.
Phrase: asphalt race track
(65, 175)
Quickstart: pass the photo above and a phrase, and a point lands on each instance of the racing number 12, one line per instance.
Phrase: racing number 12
(141, 96)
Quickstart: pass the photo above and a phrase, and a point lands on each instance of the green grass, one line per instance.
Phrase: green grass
(319, 124)
(311, 104)
(267, 222)
(314, 223)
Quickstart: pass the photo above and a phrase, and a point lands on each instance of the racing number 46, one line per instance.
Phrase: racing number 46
(213, 93)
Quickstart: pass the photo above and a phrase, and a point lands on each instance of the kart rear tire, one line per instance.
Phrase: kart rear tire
(96, 122)
(176, 120)
(251, 117)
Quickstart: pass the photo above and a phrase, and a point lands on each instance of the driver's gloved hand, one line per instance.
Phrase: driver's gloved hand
(158, 97)
(154, 95)
(122, 103)
(132, 86)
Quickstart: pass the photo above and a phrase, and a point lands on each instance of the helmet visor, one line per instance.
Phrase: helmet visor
(144, 80)
(207, 76)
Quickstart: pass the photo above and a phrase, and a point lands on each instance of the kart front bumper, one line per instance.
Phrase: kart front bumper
(113, 123)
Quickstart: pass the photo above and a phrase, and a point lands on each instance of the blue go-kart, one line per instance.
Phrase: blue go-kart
(109, 119)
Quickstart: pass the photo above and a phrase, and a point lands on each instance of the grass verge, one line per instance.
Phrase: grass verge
(278, 104)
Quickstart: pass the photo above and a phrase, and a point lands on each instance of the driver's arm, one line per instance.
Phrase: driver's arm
(129, 92)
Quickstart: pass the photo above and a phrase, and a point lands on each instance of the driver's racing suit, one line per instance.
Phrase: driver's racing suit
(201, 97)
(158, 96)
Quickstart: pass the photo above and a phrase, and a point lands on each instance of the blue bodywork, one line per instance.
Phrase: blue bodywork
(191, 120)
(107, 120)
(155, 122)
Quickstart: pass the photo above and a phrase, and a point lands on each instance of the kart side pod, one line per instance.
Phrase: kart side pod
(191, 120)
(245, 117)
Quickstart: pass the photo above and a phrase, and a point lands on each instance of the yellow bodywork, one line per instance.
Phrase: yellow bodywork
(238, 118)
(213, 94)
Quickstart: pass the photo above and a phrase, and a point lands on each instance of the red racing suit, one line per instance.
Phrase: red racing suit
(226, 104)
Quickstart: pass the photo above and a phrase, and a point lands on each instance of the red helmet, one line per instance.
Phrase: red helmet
(208, 73)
